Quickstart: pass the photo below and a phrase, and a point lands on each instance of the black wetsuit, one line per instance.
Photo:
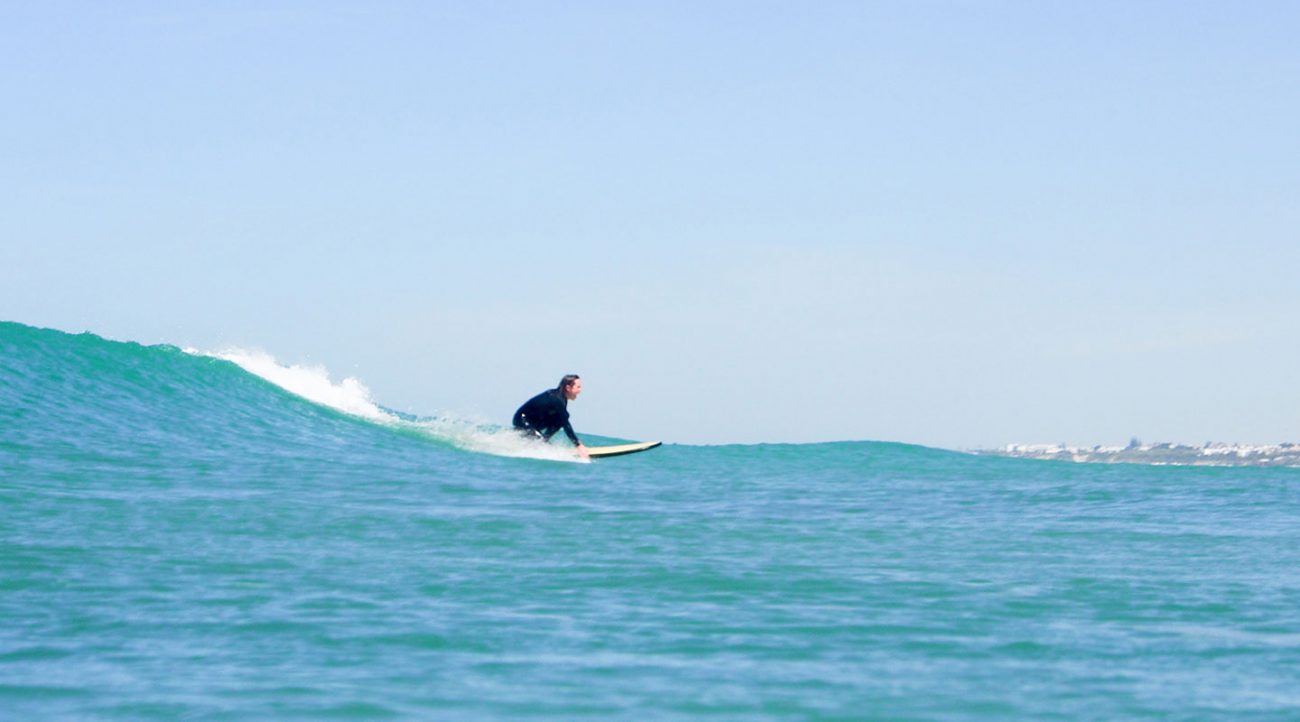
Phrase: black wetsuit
(545, 414)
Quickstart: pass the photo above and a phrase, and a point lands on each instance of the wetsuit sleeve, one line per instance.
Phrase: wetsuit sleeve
(568, 431)
(519, 422)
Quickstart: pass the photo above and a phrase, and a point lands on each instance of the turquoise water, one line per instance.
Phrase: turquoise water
(183, 539)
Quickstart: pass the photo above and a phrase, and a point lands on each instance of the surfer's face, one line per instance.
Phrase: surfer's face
(572, 390)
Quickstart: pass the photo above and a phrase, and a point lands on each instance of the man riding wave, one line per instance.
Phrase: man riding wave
(548, 412)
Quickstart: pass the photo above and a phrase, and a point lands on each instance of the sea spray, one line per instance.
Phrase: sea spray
(310, 382)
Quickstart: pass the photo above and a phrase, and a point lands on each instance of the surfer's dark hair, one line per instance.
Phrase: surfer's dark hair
(567, 381)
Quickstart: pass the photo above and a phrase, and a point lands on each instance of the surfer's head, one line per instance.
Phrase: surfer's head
(570, 386)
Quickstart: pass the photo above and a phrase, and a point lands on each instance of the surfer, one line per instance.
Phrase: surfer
(548, 412)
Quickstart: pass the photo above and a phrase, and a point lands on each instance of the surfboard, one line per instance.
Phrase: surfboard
(597, 452)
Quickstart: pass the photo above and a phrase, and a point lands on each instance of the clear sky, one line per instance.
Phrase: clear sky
(952, 223)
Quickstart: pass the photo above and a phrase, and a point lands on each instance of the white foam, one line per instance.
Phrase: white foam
(486, 439)
(310, 382)
(352, 397)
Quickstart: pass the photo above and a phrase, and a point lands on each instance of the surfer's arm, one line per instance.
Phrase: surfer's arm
(568, 431)
(577, 443)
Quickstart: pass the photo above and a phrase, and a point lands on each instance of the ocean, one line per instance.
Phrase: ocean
(217, 536)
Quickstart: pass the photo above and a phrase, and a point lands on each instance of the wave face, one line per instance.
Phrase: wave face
(211, 535)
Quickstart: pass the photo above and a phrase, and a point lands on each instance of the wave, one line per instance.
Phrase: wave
(82, 389)
(113, 395)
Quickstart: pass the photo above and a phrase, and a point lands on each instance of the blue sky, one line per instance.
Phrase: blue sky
(952, 223)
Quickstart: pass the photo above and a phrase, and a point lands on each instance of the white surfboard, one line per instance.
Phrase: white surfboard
(597, 452)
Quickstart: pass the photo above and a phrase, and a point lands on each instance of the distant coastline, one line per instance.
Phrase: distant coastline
(1209, 454)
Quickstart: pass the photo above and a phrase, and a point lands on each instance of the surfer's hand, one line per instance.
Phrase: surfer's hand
(582, 451)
